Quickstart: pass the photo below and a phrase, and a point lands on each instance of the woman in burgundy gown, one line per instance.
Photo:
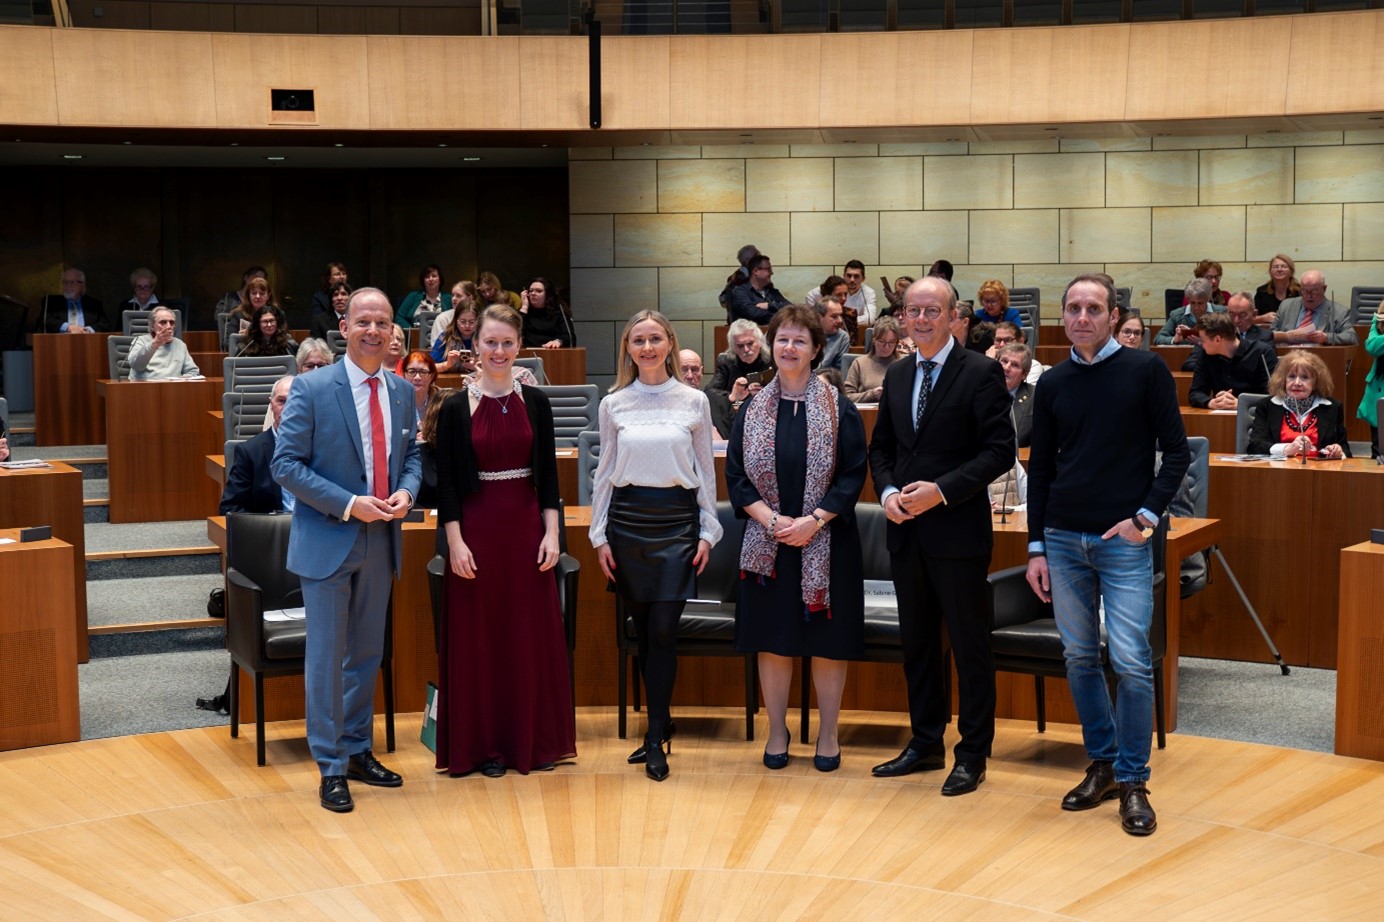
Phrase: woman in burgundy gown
(505, 695)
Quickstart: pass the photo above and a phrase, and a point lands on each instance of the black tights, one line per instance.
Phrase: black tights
(656, 624)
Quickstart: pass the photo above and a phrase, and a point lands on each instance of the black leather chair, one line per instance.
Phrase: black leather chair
(707, 627)
(1025, 638)
(258, 580)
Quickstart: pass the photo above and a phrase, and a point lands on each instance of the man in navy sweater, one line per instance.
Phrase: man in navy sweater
(1093, 501)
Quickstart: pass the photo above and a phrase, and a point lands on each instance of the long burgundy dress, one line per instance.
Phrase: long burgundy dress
(505, 692)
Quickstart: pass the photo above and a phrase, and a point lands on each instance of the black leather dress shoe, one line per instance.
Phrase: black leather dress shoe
(1098, 787)
(335, 795)
(909, 761)
(365, 767)
(965, 777)
(493, 769)
(1136, 813)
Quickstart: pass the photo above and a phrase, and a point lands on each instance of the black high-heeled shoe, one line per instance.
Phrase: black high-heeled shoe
(639, 755)
(655, 761)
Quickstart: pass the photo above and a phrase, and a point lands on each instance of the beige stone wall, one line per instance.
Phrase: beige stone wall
(659, 226)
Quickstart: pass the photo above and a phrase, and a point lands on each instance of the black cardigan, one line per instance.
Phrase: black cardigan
(1268, 424)
(456, 462)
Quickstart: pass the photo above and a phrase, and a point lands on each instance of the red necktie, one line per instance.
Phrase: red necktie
(380, 462)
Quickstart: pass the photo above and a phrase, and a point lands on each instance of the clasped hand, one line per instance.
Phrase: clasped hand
(912, 501)
(371, 509)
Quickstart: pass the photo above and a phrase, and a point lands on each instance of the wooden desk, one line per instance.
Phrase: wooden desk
(1283, 527)
(1360, 654)
(66, 369)
(160, 435)
(1218, 426)
(52, 496)
(40, 705)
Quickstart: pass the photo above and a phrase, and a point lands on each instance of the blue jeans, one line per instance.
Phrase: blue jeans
(1085, 569)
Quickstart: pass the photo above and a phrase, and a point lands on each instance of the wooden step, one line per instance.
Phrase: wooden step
(158, 626)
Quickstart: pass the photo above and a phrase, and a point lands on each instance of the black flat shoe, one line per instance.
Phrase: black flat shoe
(778, 760)
(493, 769)
(365, 767)
(826, 763)
(639, 755)
(335, 795)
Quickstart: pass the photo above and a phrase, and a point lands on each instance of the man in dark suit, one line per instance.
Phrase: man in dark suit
(1015, 362)
(942, 435)
(73, 311)
(250, 485)
(346, 452)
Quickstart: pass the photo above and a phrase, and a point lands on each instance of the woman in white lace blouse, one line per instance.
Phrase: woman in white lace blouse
(653, 507)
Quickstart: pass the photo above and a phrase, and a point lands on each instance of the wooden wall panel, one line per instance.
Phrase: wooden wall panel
(553, 84)
(462, 19)
(319, 216)
(185, 17)
(638, 61)
(445, 84)
(26, 71)
(746, 81)
(119, 78)
(346, 20)
(382, 20)
(31, 253)
(290, 18)
(1025, 75)
(333, 65)
(1209, 69)
(523, 228)
(224, 224)
(110, 227)
(115, 14)
(1335, 64)
(895, 78)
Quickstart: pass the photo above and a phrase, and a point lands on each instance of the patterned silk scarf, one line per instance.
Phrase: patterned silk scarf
(759, 550)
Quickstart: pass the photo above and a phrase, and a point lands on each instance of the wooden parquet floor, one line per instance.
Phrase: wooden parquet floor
(184, 825)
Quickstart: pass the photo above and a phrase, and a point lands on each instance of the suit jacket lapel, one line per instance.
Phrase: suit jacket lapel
(347, 402)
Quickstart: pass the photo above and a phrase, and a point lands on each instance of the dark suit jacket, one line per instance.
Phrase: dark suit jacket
(53, 314)
(1268, 424)
(250, 486)
(1246, 372)
(1023, 413)
(322, 322)
(965, 442)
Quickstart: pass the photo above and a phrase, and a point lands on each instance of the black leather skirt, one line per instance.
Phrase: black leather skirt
(653, 536)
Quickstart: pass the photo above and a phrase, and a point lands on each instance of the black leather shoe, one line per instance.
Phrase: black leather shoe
(909, 761)
(965, 777)
(639, 755)
(335, 795)
(493, 769)
(1098, 787)
(1136, 813)
(655, 760)
(365, 767)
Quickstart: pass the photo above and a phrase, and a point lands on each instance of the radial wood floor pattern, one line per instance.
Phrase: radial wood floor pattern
(184, 825)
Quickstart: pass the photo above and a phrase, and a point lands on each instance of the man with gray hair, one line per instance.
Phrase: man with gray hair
(158, 353)
(833, 316)
(73, 311)
(1312, 319)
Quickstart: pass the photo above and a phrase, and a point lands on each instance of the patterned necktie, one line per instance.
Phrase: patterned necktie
(377, 454)
(72, 313)
(924, 389)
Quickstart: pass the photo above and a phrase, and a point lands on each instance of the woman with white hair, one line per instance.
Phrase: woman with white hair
(745, 366)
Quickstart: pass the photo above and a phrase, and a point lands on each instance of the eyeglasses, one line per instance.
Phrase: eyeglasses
(931, 313)
(416, 372)
(891, 343)
(1131, 334)
(309, 366)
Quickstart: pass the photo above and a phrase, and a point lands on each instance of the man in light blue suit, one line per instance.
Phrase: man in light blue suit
(346, 452)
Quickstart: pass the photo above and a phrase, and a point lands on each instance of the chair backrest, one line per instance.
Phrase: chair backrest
(534, 364)
(256, 372)
(719, 581)
(1028, 301)
(1365, 303)
(1244, 420)
(257, 546)
(1172, 300)
(234, 343)
(5, 413)
(871, 522)
(136, 323)
(226, 324)
(574, 410)
(1199, 473)
(869, 338)
(336, 342)
(846, 359)
(243, 414)
(118, 357)
(424, 320)
(588, 456)
(1122, 297)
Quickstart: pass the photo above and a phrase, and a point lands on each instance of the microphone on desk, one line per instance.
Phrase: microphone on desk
(1005, 508)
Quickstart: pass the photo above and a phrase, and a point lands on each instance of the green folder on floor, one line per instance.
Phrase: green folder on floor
(429, 734)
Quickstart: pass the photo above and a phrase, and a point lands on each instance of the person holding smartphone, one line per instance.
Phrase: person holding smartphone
(745, 366)
(454, 352)
(547, 325)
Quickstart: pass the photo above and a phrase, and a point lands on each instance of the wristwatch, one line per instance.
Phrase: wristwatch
(1146, 530)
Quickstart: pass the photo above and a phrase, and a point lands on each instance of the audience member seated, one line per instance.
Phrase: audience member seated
(421, 372)
(895, 295)
(233, 299)
(838, 344)
(860, 298)
(1374, 380)
(1181, 328)
(490, 290)
(993, 304)
(1129, 331)
(1211, 271)
(865, 378)
(258, 295)
(158, 353)
(741, 275)
(427, 454)
(744, 367)
(1006, 334)
(454, 350)
(463, 293)
(314, 354)
(757, 299)
(4, 443)
(722, 416)
(1014, 360)
(1281, 286)
(249, 484)
(428, 296)
(142, 280)
(976, 336)
(268, 335)
(322, 302)
(398, 345)
(1229, 366)
(1312, 319)
(942, 269)
(1299, 417)
(547, 324)
(833, 287)
(1240, 310)
(324, 322)
(73, 311)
